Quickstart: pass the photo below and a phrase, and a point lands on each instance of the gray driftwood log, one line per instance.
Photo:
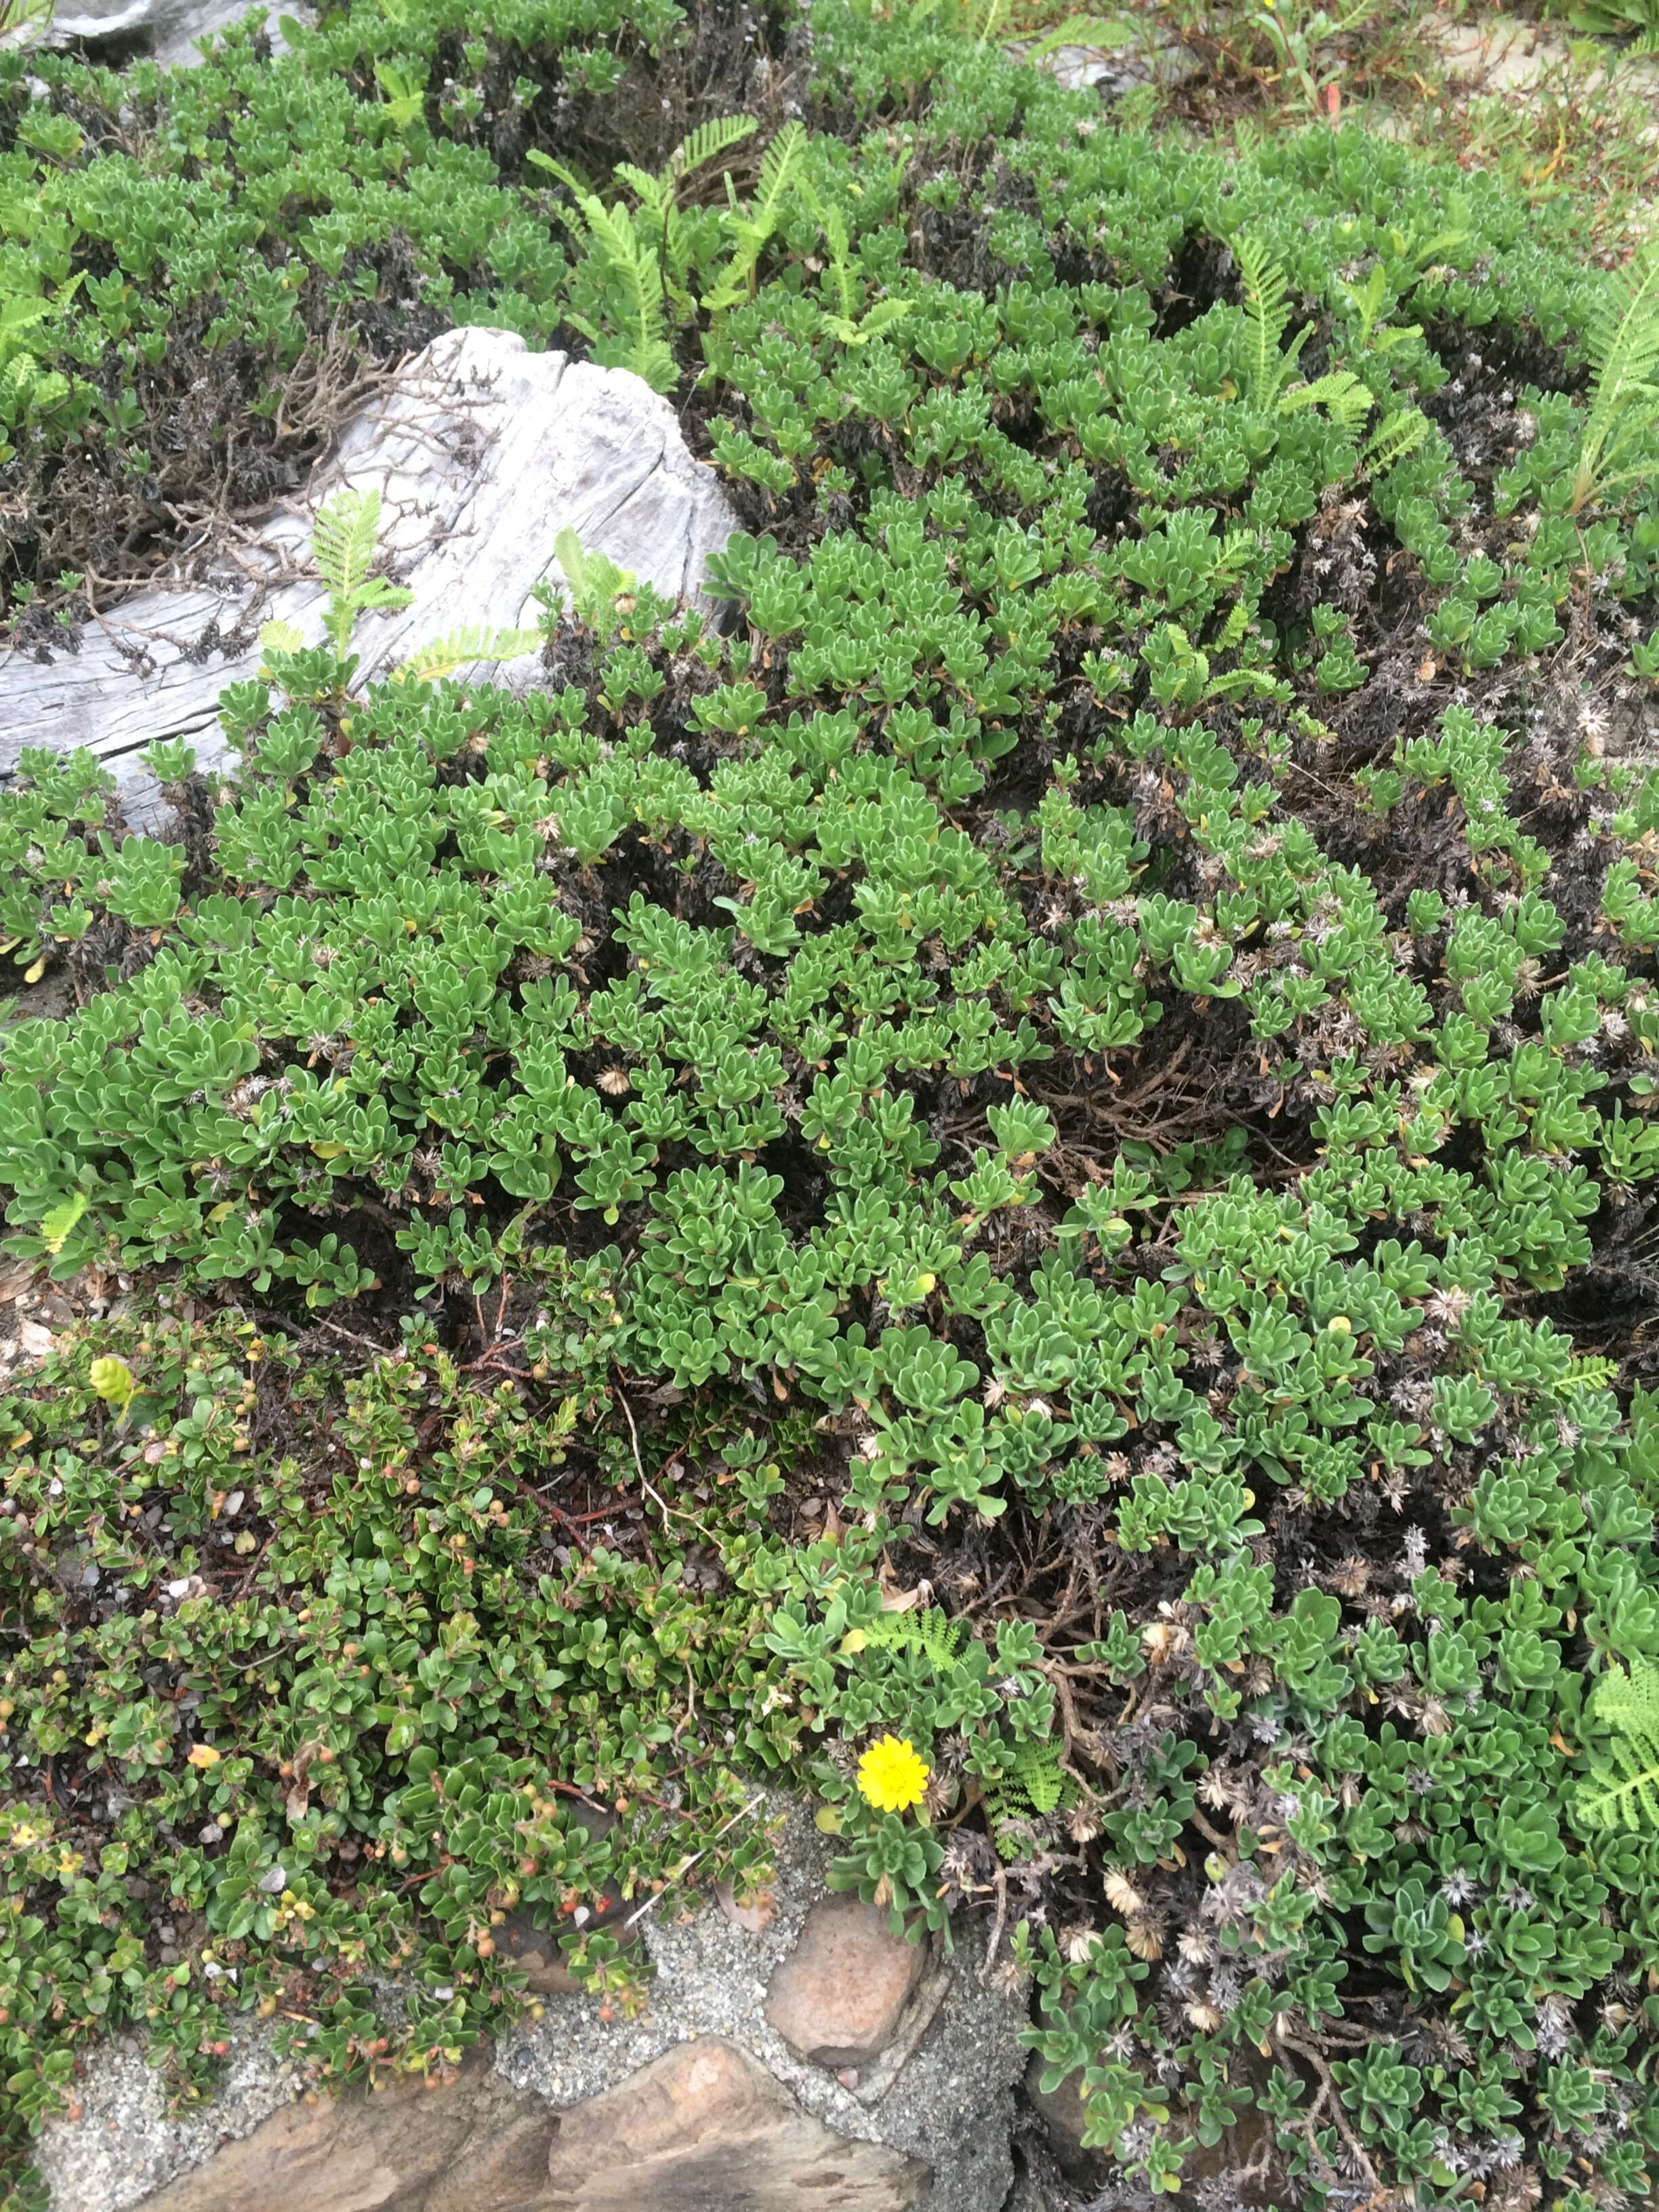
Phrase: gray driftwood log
(482, 453)
(163, 30)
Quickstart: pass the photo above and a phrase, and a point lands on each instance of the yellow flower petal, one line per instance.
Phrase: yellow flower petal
(892, 1775)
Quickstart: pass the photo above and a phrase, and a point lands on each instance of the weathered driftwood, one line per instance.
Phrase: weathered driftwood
(482, 453)
(165, 30)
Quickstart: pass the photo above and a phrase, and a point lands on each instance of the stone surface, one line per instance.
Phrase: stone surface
(753, 1914)
(165, 30)
(1061, 2111)
(838, 1997)
(475, 2145)
(1078, 67)
(949, 2104)
(1026, 2195)
(1247, 2144)
(941, 2097)
(707, 2129)
(1155, 57)
(523, 1938)
(529, 1935)
(532, 1944)
(1500, 53)
(482, 453)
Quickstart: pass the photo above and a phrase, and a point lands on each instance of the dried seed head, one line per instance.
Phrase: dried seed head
(1164, 1640)
(1121, 1892)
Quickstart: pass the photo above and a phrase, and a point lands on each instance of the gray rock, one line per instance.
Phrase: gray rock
(1078, 67)
(475, 2144)
(839, 1997)
(707, 2126)
(1152, 56)
(483, 451)
(929, 2124)
(1064, 2118)
(126, 2144)
(1026, 2195)
(950, 2104)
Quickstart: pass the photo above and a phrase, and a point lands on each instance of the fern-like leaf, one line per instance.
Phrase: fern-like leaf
(1235, 553)
(1267, 309)
(571, 557)
(1590, 1373)
(631, 261)
(1034, 1785)
(567, 177)
(1339, 391)
(642, 184)
(20, 311)
(1394, 438)
(1095, 34)
(473, 642)
(939, 1640)
(781, 167)
(595, 581)
(343, 540)
(1624, 353)
(752, 228)
(1038, 1773)
(708, 141)
(282, 636)
(835, 229)
(612, 230)
(1621, 1790)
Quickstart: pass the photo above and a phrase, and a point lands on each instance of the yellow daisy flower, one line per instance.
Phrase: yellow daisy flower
(892, 1775)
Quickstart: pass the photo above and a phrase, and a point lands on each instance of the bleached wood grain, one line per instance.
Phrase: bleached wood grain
(483, 453)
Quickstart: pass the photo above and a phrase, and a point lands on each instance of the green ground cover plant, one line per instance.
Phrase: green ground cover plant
(201, 272)
(1038, 1143)
(1637, 21)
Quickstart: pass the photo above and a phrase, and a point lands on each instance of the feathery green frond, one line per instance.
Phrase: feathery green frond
(1623, 352)
(1396, 437)
(473, 642)
(1039, 1776)
(1034, 1785)
(1095, 34)
(752, 228)
(1267, 308)
(566, 176)
(780, 167)
(929, 1633)
(708, 141)
(1621, 1790)
(595, 581)
(282, 636)
(652, 190)
(631, 264)
(1271, 363)
(1339, 391)
(343, 539)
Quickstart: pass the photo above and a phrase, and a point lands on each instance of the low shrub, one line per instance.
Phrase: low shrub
(1100, 1030)
(319, 1686)
(1635, 20)
(205, 270)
